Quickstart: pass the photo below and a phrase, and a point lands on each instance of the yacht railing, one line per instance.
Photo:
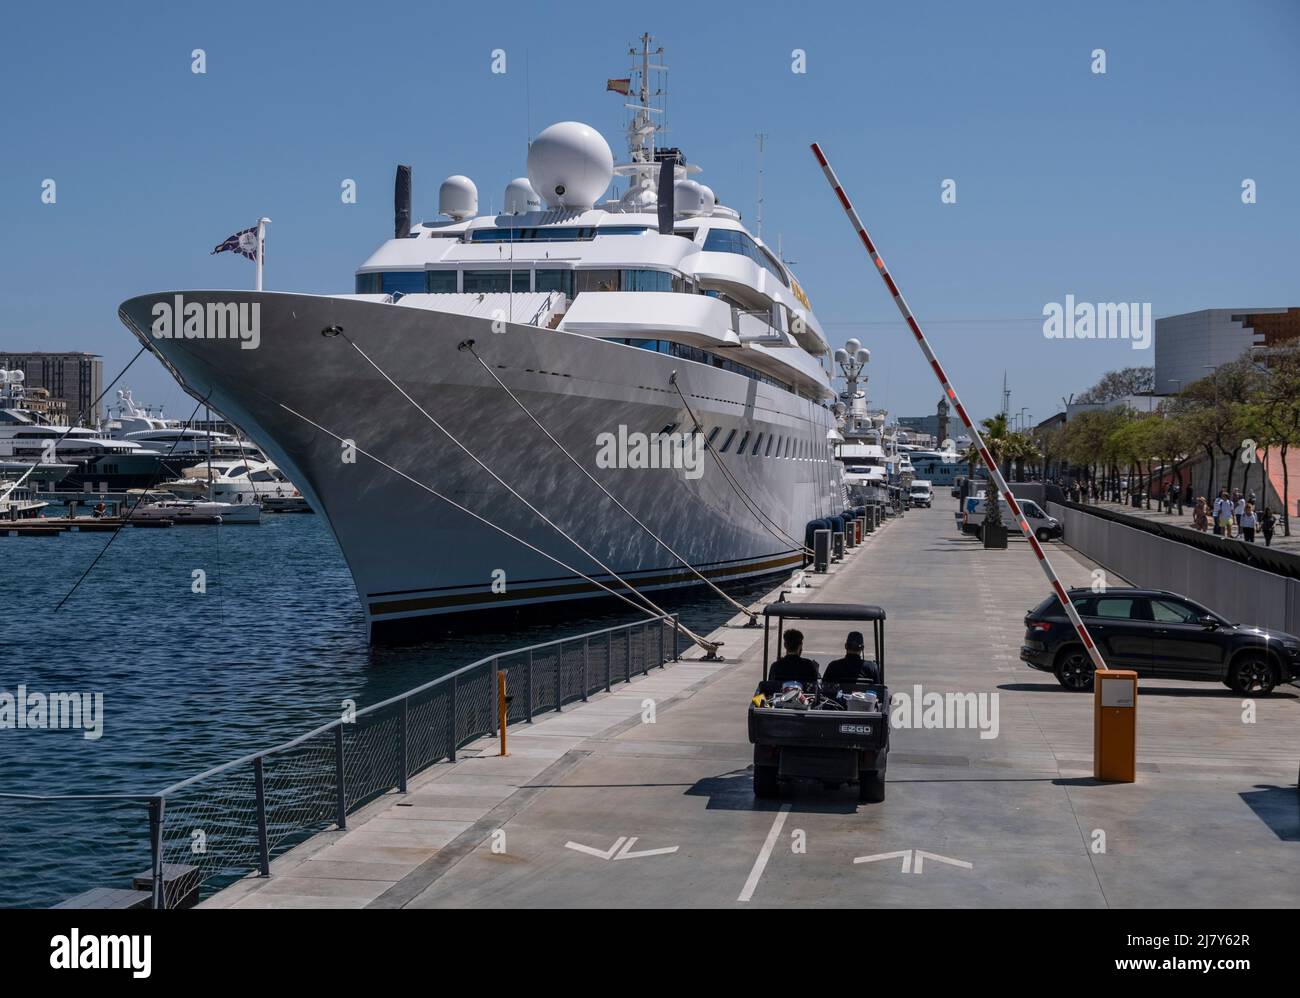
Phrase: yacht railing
(212, 829)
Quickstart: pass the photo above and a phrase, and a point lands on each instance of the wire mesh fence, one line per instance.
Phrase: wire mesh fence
(210, 830)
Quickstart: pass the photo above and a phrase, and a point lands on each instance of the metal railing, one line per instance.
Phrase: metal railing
(217, 827)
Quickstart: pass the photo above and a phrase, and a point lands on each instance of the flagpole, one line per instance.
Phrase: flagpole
(261, 243)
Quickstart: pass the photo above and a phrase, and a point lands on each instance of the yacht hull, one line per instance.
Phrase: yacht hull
(310, 398)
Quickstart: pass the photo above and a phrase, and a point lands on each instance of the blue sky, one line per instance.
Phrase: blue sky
(1117, 187)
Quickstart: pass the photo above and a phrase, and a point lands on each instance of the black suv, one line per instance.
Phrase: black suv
(1159, 635)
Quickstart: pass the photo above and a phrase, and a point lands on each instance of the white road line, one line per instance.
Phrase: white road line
(760, 864)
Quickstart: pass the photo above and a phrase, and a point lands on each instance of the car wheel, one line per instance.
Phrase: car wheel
(871, 786)
(1074, 670)
(765, 784)
(1043, 534)
(1252, 674)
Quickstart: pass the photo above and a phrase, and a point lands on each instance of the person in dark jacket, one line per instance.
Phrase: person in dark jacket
(792, 667)
(852, 668)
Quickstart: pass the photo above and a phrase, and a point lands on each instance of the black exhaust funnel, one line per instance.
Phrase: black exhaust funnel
(667, 178)
(402, 203)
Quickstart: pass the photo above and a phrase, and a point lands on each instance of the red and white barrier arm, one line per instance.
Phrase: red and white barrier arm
(998, 480)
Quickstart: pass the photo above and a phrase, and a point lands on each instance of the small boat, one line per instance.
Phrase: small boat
(195, 511)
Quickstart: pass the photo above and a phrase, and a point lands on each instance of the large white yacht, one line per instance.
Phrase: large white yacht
(605, 316)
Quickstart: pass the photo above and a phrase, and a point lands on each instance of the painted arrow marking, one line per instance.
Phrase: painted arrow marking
(905, 853)
(920, 855)
(621, 849)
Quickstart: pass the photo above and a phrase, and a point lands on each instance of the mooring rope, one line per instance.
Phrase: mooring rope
(468, 512)
(469, 346)
(710, 645)
(726, 472)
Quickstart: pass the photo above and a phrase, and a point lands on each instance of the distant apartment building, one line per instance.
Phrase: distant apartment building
(1189, 346)
(75, 378)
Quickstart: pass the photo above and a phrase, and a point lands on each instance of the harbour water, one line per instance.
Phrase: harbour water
(273, 648)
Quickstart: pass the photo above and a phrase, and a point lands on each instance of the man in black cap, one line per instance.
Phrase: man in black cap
(852, 668)
(792, 666)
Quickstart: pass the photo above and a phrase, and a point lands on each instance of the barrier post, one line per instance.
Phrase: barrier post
(502, 708)
(1114, 726)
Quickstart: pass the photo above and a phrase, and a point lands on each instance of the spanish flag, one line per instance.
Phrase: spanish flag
(623, 87)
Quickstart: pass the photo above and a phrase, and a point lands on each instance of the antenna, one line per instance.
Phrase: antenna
(762, 137)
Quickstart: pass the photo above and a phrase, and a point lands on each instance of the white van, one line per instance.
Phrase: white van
(1045, 527)
(920, 493)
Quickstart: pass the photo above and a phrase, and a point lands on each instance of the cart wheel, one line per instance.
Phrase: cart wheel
(871, 786)
(765, 784)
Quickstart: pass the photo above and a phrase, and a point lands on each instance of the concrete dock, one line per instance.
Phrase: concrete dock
(597, 807)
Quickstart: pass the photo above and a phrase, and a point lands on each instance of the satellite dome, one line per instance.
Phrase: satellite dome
(641, 198)
(521, 198)
(458, 198)
(570, 165)
(691, 198)
(710, 198)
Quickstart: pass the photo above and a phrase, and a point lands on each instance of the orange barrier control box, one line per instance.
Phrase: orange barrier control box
(1114, 733)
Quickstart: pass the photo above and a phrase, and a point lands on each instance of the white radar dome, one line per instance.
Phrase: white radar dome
(458, 198)
(691, 198)
(570, 165)
(710, 198)
(521, 198)
(852, 346)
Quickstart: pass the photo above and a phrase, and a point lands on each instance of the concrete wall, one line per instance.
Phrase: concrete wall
(1239, 592)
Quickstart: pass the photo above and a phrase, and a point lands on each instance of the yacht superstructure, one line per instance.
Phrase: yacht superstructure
(434, 415)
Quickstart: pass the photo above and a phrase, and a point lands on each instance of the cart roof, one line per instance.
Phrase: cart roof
(824, 611)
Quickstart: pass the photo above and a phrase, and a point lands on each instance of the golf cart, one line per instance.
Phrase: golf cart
(834, 733)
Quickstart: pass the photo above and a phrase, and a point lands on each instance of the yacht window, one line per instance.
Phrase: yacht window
(743, 441)
(668, 429)
(441, 282)
(596, 280)
(403, 282)
(647, 280)
(555, 280)
(713, 434)
(758, 443)
(558, 234)
(770, 441)
(727, 443)
(686, 233)
(486, 281)
(735, 241)
(262, 476)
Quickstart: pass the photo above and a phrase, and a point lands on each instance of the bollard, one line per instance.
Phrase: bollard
(821, 550)
(837, 546)
(503, 706)
(1114, 731)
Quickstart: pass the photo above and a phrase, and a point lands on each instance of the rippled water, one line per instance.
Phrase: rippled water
(190, 681)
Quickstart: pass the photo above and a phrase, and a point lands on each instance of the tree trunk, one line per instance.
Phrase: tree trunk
(1286, 495)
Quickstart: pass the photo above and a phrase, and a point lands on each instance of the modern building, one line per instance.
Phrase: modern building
(75, 378)
(1189, 346)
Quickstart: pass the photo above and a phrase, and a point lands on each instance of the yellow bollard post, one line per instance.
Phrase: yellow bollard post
(502, 709)
(1114, 732)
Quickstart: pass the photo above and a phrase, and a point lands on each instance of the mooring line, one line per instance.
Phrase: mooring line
(468, 512)
(113, 536)
(703, 642)
(726, 473)
(469, 346)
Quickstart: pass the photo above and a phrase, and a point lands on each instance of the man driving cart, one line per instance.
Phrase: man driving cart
(833, 729)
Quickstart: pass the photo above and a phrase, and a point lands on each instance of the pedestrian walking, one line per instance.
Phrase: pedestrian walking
(1247, 523)
(1222, 513)
(1268, 522)
(1200, 516)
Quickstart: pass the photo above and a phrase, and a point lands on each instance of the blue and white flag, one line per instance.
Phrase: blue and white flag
(244, 243)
